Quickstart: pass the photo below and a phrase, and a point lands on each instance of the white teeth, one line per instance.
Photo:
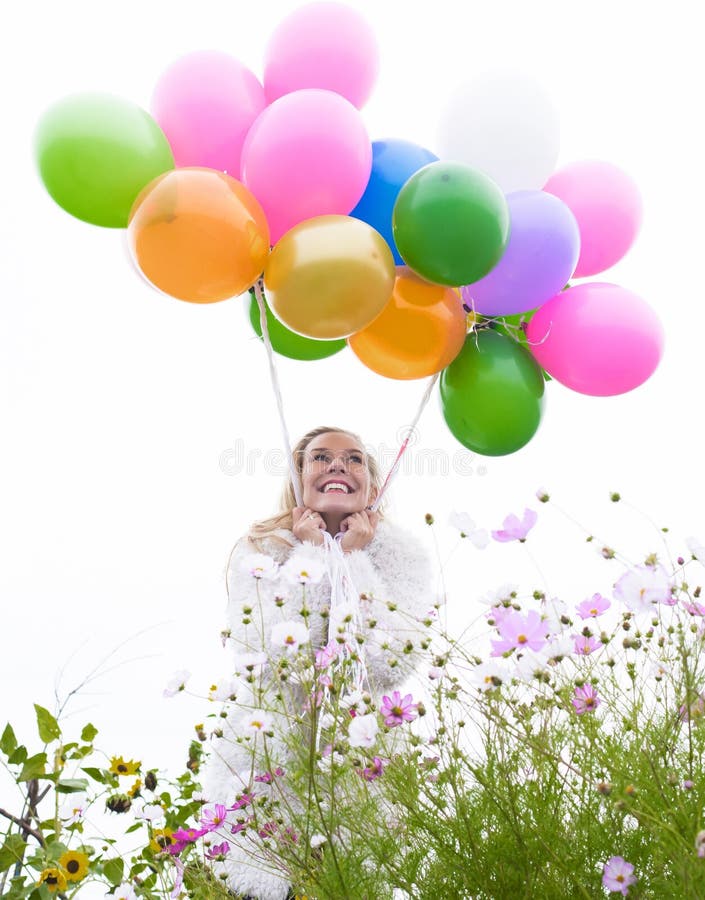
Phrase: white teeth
(336, 486)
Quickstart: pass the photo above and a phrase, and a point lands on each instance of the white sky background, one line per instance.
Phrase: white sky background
(118, 403)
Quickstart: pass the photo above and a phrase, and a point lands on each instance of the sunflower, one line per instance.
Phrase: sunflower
(134, 791)
(54, 879)
(161, 839)
(119, 766)
(74, 864)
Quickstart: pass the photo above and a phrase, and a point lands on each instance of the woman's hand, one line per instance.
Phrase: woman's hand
(359, 529)
(308, 525)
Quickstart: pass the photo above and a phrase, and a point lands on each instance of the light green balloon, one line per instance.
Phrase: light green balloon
(492, 394)
(96, 152)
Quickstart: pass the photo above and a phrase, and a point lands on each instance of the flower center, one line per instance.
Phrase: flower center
(72, 866)
(522, 639)
(397, 711)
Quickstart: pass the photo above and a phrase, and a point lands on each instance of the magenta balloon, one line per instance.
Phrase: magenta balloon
(205, 103)
(543, 248)
(607, 205)
(306, 155)
(322, 45)
(597, 338)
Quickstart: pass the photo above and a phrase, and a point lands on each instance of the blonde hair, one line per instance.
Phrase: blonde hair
(266, 528)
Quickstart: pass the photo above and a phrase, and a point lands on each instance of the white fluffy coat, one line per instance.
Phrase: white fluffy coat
(393, 569)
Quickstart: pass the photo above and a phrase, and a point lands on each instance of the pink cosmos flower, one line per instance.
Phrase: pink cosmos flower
(584, 645)
(397, 709)
(268, 777)
(694, 609)
(618, 875)
(213, 818)
(592, 606)
(520, 632)
(241, 803)
(218, 850)
(586, 699)
(183, 836)
(373, 771)
(326, 655)
(515, 530)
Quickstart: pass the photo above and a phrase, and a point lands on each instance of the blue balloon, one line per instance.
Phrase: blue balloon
(393, 163)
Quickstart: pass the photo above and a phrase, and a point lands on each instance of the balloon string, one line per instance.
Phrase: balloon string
(395, 465)
(277, 392)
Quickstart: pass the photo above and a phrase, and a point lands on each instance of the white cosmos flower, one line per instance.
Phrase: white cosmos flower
(176, 683)
(499, 595)
(303, 570)
(256, 721)
(529, 665)
(559, 646)
(466, 526)
(642, 587)
(289, 635)
(259, 565)
(124, 892)
(317, 840)
(150, 811)
(73, 809)
(696, 549)
(362, 730)
(224, 689)
(483, 675)
(250, 663)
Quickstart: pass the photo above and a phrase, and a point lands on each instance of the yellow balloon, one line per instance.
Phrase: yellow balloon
(329, 277)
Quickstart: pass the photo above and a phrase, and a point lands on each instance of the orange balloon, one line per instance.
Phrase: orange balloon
(198, 235)
(420, 331)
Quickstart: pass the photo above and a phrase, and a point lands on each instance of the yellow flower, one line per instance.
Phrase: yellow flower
(119, 766)
(134, 791)
(54, 879)
(74, 864)
(161, 839)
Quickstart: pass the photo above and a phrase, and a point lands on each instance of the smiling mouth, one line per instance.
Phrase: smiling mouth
(336, 488)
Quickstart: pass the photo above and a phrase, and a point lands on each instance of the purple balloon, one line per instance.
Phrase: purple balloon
(543, 250)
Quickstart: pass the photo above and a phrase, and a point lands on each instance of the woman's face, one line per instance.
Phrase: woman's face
(335, 476)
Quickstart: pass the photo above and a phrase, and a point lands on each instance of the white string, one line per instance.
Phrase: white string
(277, 393)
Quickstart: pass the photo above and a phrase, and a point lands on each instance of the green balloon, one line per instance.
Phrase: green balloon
(492, 394)
(516, 331)
(286, 342)
(96, 152)
(450, 223)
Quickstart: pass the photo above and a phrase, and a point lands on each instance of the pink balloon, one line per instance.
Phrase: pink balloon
(597, 338)
(308, 154)
(322, 45)
(205, 103)
(607, 205)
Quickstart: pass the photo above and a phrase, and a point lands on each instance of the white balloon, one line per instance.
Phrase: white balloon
(504, 123)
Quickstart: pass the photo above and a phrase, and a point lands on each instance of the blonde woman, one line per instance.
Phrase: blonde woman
(391, 575)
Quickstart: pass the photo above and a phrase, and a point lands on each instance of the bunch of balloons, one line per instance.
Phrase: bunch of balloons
(455, 263)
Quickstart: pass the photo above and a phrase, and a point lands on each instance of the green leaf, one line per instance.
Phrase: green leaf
(72, 785)
(88, 733)
(47, 725)
(33, 767)
(134, 827)
(96, 774)
(112, 869)
(11, 851)
(18, 755)
(8, 741)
